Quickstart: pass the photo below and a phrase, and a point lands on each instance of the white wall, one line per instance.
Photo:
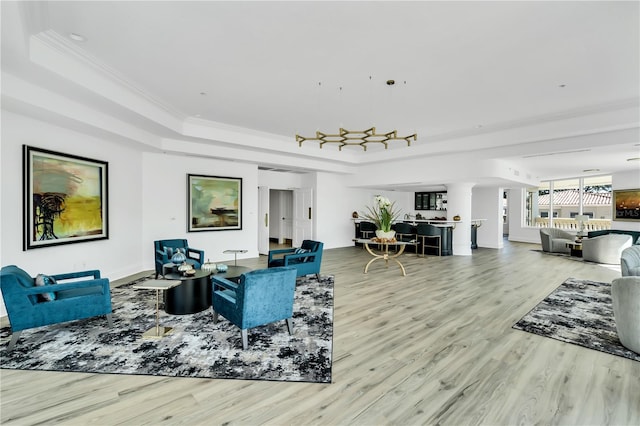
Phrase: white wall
(115, 257)
(279, 180)
(164, 206)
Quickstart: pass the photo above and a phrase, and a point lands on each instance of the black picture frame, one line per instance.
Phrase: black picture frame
(214, 203)
(65, 198)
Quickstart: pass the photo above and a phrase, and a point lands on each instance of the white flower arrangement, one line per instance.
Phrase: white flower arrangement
(382, 213)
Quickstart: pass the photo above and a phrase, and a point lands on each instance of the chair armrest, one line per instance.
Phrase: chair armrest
(102, 282)
(225, 283)
(71, 275)
(162, 255)
(279, 251)
(301, 256)
(199, 253)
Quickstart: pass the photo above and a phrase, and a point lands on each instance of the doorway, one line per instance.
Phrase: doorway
(281, 212)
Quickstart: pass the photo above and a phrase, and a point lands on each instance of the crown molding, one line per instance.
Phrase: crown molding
(53, 51)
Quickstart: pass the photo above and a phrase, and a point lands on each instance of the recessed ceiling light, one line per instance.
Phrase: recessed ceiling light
(203, 93)
(591, 170)
(562, 85)
(633, 159)
(77, 37)
(479, 126)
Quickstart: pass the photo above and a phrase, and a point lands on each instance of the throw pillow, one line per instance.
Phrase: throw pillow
(300, 251)
(44, 280)
(169, 251)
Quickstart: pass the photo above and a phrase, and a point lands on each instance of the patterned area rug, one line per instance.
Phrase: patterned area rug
(196, 347)
(578, 312)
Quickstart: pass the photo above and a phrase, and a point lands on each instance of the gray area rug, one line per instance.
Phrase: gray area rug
(196, 348)
(578, 312)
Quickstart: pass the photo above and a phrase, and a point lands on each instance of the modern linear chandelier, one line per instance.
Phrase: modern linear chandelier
(357, 137)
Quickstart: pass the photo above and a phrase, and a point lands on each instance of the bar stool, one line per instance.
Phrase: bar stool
(367, 229)
(427, 233)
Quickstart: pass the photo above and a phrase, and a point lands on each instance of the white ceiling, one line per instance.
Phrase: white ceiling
(507, 80)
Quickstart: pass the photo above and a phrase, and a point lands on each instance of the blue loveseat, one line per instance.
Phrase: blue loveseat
(27, 307)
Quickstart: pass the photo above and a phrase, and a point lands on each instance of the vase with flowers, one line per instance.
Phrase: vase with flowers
(382, 214)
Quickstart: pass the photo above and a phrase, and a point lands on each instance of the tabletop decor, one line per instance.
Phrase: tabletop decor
(382, 214)
(65, 198)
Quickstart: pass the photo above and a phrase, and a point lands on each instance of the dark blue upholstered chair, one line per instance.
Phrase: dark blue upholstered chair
(260, 297)
(305, 263)
(194, 256)
(73, 300)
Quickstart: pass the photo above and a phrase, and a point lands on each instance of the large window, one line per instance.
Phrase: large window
(558, 203)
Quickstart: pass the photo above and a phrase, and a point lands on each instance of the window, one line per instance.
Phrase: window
(568, 198)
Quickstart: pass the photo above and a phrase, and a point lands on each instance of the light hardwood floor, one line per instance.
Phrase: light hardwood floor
(434, 347)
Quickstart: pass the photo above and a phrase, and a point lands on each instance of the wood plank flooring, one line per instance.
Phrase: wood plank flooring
(434, 347)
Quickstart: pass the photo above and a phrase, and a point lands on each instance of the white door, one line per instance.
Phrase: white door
(286, 214)
(263, 220)
(303, 215)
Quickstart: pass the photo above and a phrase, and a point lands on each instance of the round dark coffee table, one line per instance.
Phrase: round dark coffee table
(194, 292)
(191, 296)
(233, 272)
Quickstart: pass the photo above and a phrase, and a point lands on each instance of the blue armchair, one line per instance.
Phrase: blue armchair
(27, 307)
(306, 259)
(260, 297)
(164, 249)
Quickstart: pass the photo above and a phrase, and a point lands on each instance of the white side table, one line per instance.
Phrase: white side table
(158, 331)
(235, 255)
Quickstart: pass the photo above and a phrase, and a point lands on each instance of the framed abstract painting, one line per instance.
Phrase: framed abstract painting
(214, 203)
(65, 198)
(626, 204)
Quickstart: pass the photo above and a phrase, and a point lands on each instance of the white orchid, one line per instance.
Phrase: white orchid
(382, 215)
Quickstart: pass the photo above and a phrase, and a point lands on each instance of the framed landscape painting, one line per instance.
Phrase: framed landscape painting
(626, 204)
(65, 198)
(214, 203)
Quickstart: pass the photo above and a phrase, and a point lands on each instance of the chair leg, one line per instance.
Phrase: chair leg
(245, 338)
(318, 276)
(289, 325)
(109, 320)
(215, 316)
(14, 339)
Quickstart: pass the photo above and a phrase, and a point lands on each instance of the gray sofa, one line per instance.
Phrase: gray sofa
(555, 240)
(625, 295)
(605, 248)
(630, 261)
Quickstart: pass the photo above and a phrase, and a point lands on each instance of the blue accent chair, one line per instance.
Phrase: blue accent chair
(75, 300)
(260, 297)
(306, 263)
(194, 256)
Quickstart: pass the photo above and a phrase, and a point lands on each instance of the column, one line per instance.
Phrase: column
(487, 204)
(459, 204)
